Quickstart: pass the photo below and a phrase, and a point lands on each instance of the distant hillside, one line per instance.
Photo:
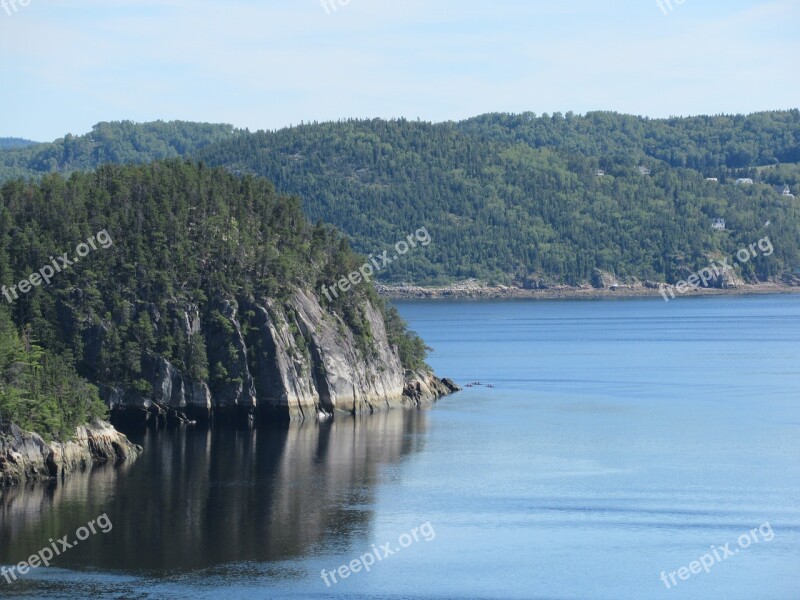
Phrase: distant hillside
(512, 198)
(517, 198)
(14, 143)
(121, 142)
(701, 143)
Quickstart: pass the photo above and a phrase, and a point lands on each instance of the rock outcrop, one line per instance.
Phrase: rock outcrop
(604, 280)
(26, 456)
(422, 387)
(280, 360)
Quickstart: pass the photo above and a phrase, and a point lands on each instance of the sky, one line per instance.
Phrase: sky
(68, 64)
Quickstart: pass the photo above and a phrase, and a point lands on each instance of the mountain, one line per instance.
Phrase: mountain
(537, 200)
(186, 293)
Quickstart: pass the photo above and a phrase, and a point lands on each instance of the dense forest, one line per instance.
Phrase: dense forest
(521, 199)
(153, 240)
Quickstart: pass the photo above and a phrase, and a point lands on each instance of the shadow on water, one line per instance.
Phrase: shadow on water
(202, 498)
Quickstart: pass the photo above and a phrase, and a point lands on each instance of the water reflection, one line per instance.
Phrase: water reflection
(200, 498)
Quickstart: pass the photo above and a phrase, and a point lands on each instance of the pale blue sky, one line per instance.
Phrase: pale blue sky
(67, 64)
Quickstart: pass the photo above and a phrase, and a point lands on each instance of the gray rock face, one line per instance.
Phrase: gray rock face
(287, 361)
(199, 397)
(26, 456)
(603, 280)
(729, 280)
(168, 386)
(347, 380)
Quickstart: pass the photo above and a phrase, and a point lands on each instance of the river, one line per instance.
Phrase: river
(613, 449)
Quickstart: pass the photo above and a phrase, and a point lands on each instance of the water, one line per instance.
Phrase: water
(621, 439)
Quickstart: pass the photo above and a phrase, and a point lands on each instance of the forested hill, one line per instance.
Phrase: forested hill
(184, 278)
(519, 198)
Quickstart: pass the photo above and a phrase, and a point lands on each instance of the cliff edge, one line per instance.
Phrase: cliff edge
(284, 361)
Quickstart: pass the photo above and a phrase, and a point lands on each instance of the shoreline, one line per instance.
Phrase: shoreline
(474, 291)
(25, 457)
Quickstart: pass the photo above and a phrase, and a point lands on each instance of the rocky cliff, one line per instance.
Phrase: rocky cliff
(26, 456)
(289, 360)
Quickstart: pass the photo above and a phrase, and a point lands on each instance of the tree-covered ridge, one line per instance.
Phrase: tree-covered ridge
(184, 235)
(705, 143)
(122, 142)
(7, 143)
(518, 198)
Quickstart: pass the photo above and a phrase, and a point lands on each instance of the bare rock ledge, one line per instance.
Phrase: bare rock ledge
(25, 456)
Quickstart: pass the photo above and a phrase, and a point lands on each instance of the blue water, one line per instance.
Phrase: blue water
(621, 439)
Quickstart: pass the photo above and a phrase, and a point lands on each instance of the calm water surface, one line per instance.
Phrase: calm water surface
(620, 439)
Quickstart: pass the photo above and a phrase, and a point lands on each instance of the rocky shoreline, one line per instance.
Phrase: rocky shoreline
(425, 388)
(472, 289)
(419, 389)
(25, 456)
